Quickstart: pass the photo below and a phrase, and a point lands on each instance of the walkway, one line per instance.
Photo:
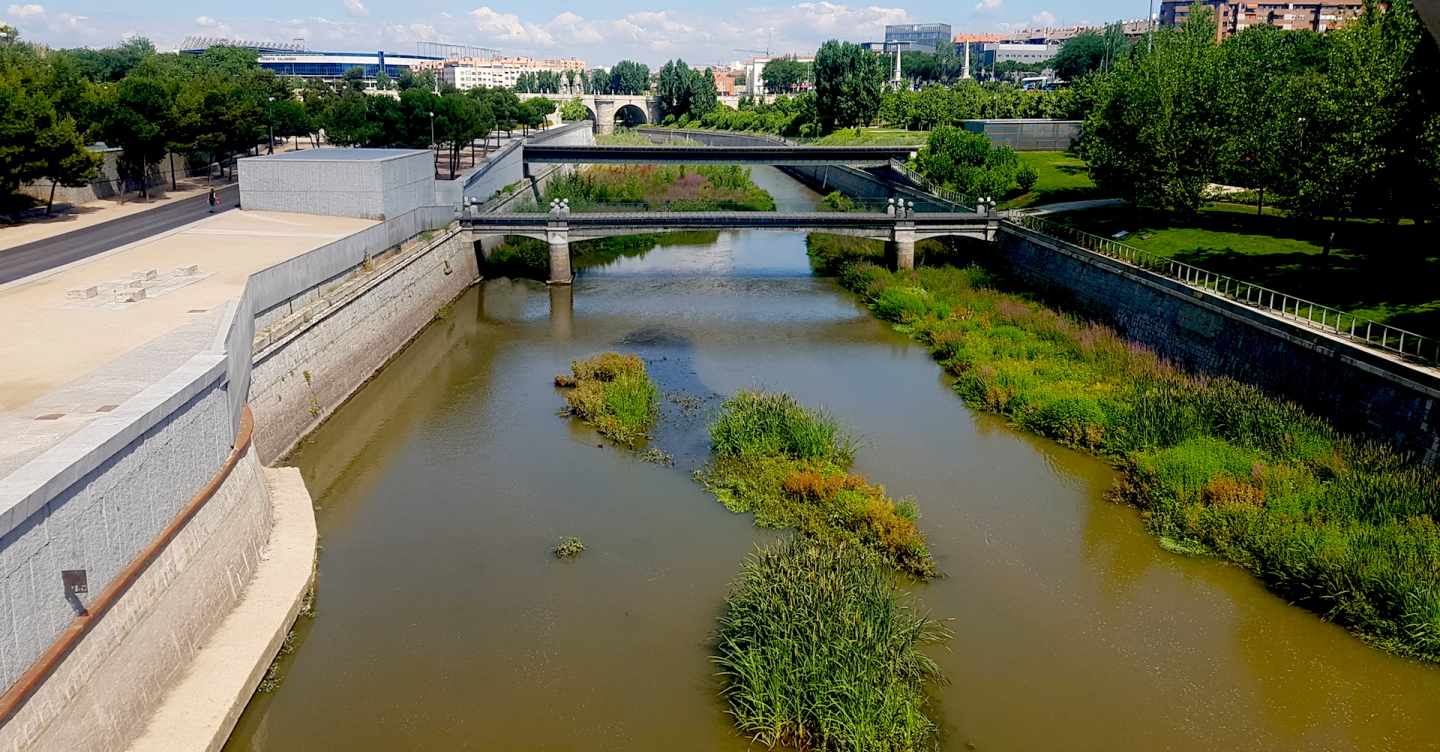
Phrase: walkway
(857, 156)
(56, 249)
(63, 325)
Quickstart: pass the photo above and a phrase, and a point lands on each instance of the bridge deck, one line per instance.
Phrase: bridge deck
(738, 219)
(864, 156)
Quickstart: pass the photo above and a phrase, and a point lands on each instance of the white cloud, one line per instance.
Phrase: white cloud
(356, 8)
(206, 22)
(987, 6)
(507, 27)
(1043, 18)
(71, 22)
(29, 10)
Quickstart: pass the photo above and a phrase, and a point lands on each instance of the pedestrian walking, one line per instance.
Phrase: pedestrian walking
(214, 200)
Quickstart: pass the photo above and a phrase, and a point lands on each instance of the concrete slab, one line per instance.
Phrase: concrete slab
(53, 339)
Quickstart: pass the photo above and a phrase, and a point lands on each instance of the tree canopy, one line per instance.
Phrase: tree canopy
(848, 83)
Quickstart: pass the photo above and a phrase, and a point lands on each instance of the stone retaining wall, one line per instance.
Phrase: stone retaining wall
(1359, 389)
(336, 343)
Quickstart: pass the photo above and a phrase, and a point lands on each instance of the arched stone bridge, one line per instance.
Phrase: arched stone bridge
(604, 108)
(558, 230)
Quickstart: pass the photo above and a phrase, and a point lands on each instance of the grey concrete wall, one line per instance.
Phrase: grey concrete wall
(1359, 389)
(1028, 135)
(102, 496)
(368, 188)
(301, 378)
(102, 695)
(507, 166)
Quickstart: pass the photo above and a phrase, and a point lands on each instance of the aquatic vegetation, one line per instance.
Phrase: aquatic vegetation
(613, 393)
(1341, 526)
(568, 548)
(820, 650)
(658, 188)
(790, 467)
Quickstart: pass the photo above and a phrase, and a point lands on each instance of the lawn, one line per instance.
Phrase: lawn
(1063, 177)
(872, 137)
(1376, 271)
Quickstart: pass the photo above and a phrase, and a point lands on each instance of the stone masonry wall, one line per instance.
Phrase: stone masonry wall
(304, 376)
(1360, 390)
(100, 696)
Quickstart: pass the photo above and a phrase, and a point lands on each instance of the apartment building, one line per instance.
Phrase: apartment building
(498, 72)
(1237, 15)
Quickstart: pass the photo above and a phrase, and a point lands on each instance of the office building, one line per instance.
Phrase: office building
(916, 37)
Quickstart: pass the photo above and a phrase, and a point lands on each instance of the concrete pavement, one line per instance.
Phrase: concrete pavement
(58, 250)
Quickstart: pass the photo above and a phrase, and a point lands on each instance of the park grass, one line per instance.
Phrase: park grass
(1340, 526)
(1061, 177)
(1375, 271)
(873, 137)
(790, 467)
(613, 393)
(819, 650)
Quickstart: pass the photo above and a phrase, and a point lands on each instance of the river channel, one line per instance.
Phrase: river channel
(443, 622)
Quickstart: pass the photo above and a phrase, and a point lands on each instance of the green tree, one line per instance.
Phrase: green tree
(848, 83)
(354, 78)
(346, 120)
(140, 118)
(970, 164)
(786, 75)
(574, 110)
(534, 111)
(1081, 55)
(629, 77)
(1155, 134)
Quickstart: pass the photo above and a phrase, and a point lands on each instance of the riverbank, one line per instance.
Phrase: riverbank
(1344, 528)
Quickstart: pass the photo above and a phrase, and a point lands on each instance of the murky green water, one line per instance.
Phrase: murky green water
(445, 623)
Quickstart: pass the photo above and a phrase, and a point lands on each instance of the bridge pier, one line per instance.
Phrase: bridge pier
(557, 235)
(902, 246)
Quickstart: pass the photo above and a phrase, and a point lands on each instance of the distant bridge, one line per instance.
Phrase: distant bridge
(558, 230)
(779, 155)
(605, 109)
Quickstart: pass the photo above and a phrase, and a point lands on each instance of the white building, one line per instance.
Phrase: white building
(499, 72)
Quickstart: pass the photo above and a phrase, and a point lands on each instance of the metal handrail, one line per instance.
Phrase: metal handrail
(929, 186)
(1332, 320)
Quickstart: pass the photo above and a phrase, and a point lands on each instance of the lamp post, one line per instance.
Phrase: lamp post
(270, 121)
(432, 139)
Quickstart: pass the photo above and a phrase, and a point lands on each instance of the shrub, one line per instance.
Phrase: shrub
(613, 393)
(820, 650)
(754, 423)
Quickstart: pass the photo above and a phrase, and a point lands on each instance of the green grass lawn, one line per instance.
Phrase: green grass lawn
(1389, 274)
(1063, 177)
(873, 137)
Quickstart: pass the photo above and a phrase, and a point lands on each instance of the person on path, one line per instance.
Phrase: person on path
(214, 200)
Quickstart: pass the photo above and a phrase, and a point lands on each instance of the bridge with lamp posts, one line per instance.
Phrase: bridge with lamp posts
(901, 229)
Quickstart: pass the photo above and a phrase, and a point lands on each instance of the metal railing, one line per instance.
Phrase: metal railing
(1289, 307)
(930, 187)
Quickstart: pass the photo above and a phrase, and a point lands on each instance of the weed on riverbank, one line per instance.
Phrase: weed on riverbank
(658, 188)
(790, 466)
(613, 393)
(1343, 527)
(819, 650)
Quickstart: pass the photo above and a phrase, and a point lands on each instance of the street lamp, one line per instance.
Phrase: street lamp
(432, 140)
(270, 117)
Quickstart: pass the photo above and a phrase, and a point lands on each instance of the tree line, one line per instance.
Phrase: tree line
(1335, 125)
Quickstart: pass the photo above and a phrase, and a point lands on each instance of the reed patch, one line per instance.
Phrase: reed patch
(790, 467)
(613, 393)
(820, 651)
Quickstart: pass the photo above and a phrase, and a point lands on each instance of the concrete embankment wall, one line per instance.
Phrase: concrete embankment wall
(1358, 388)
(119, 500)
(164, 502)
(507, 166)
(342, 338)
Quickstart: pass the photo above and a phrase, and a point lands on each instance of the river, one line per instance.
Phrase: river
(443, 621)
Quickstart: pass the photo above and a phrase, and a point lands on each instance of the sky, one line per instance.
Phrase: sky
(703, 32)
